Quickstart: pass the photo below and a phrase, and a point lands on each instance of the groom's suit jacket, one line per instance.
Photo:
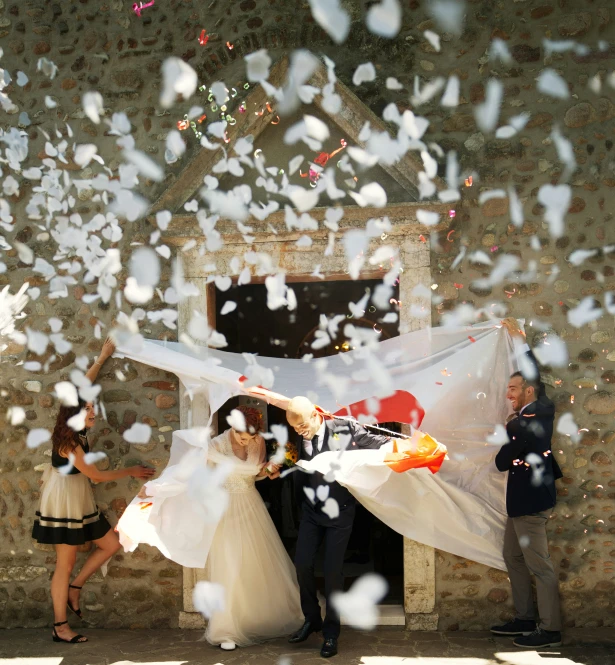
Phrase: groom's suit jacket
(336, 430)
(530, 431)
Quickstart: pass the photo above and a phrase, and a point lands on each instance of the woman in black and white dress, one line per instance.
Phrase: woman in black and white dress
(68, 515)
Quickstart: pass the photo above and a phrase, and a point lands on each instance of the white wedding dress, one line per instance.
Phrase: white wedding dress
(248, 559)
(184, 516)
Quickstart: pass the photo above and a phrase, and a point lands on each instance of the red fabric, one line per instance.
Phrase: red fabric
(424, 453)
(402, 407)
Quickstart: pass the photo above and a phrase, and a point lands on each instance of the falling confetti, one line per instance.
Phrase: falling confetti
(138, 7)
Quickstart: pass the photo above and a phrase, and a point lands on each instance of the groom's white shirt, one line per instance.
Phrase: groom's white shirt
(307, 443)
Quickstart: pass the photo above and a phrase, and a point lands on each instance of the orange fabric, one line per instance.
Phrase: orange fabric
(416, 453)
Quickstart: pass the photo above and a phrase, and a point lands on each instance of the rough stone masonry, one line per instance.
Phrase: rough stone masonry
(102, 45)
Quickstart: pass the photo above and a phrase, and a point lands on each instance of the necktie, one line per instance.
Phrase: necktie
(314, 444)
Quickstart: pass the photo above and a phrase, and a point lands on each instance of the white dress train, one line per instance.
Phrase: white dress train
(248, 559)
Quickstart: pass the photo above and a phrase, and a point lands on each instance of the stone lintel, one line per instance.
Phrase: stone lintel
(402, 217)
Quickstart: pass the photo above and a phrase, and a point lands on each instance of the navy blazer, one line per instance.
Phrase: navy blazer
(335, 429)
(530, 488)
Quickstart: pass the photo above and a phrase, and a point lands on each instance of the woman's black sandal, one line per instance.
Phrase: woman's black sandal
(78, 639)
(70, 607)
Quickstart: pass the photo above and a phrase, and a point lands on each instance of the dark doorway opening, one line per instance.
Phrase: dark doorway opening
(253, 328)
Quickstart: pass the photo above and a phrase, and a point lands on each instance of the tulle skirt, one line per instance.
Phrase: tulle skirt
(248, 559)
(68, 513)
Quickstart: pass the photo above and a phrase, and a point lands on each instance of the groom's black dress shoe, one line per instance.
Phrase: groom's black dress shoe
(304, 632)
(329, 648)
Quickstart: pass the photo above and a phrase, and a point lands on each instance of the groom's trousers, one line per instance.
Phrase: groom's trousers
(314, 528)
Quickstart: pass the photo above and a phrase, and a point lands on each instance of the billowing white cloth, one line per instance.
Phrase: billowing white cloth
(184, 505)
(459, 376)
(420, 505)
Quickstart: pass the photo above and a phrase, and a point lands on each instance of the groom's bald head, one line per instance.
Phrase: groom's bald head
(303, 417)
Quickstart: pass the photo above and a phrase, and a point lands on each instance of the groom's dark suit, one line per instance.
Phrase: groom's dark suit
(316, 526)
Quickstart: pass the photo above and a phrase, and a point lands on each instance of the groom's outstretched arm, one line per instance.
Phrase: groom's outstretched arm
(363, 438)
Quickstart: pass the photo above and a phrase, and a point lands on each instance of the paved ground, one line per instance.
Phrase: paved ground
(385, 646)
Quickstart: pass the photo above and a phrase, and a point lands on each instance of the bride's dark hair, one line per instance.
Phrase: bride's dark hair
(254, 418)
(64, 438)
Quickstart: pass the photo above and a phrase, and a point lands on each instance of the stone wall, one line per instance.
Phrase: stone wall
(105, 46)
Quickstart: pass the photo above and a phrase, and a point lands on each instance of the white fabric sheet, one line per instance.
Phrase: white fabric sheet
(459, 376)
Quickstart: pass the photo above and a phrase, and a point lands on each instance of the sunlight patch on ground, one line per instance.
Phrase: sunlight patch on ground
(31, 661)
(58, 661)
(500, 658)
(419, 660)
(533, 658)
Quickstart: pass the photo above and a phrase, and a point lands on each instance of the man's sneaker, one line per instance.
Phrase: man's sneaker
(539, 639)
(515, 627)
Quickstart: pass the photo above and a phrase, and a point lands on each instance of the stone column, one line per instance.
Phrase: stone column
(192, 413)
(419, 560)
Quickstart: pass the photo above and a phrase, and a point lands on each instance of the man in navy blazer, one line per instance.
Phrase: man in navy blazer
(530, 496)
(316, 435)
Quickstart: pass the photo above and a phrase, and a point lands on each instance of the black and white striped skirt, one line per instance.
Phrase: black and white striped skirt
(68, 513)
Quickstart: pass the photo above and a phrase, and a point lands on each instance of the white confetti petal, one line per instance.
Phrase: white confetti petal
(218, 90)
(94, 457)
(145, 165)
(257, 65)
(579, 256)
(163, 219)
(48, 67)
(516, 207)
(499, 51)
(450, 98)
(67, 393)
(393, 84)
(487, 114)
(552, 351)
(567, 427)
(175, 144)
(363, 73)
(427, 217)
(228, 307)
(16, 415)
(92, 103)
(556, 200)
(25, 254)
(332, 18)
(585, 312)
(84, 154)
(448, 14)
(359, 605)
(37, 436)
(237, 421)
(178, 78)
(208, 598)
(372, 194)
(552, 84)
(138, 433)
(499, 436)
(331, 508)
(384, 18)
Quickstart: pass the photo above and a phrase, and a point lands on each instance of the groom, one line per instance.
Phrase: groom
(318, 435)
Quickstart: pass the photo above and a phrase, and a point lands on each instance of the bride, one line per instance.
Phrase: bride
(244, 553)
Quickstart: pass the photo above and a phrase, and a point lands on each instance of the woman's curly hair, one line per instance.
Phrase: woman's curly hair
(64, 438)
(254, 418)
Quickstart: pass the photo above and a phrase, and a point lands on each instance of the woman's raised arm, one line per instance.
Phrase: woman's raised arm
(98, 476)
(107, 351)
